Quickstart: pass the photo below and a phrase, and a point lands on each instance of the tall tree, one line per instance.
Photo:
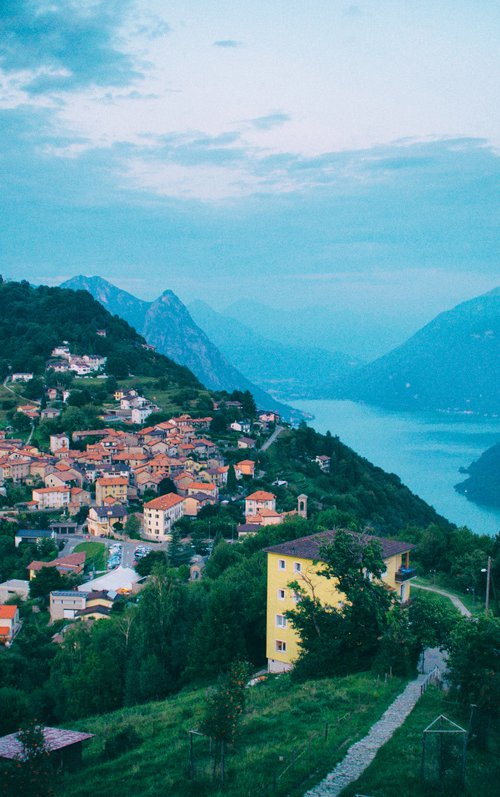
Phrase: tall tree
(345, 638)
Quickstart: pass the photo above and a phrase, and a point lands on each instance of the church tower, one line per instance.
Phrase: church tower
(302, 506)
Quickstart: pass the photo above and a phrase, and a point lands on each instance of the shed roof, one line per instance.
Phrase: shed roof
(56, 739)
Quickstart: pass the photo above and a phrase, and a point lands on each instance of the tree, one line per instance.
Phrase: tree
(132, 526)
(473, 662)
(474, 669)
(34, 388)
(431, 621)
(21, 422)
(178, 553)
(32, 775)
(166, 486)
(14, 709)
(46, 581)
(116, 366)
(232, 482)
(146, 564)
(224, 708)
(346, 638)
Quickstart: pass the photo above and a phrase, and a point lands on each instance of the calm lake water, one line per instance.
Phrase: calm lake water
(426, 451)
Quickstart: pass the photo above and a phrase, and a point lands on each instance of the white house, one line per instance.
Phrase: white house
(160, 514)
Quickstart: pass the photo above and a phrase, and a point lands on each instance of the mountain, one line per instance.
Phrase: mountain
(289, 371)
(167, 325)
(483, 484)
(35, 320)
(364, 334)
(452, 364)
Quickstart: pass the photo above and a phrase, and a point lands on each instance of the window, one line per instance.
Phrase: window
(297, 567)
(280, 645)
(281, 594)
(281, 621)
(296, 596)
(281, 564)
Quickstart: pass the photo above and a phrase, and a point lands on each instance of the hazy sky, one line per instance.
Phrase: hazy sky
(295, 152)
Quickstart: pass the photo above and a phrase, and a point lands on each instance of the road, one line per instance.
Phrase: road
(270, 440)
(453, 598)
(18, 395)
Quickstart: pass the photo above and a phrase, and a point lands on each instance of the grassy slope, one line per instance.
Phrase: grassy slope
(395, 772)
(280, 719)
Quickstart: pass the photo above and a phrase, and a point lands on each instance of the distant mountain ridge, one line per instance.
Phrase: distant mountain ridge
(289, 371)
(167, 324)
(451, 364)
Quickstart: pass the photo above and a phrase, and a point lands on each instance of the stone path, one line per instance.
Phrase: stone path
(362, 753)
(453, 598)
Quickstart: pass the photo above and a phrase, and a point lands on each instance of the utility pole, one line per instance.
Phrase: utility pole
(487, 570)
(488, 581)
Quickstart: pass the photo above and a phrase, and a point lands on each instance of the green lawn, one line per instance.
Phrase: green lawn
(96, 554)
(281, 749)
(395, 772)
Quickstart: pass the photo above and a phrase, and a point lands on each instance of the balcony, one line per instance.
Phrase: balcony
(405, 574)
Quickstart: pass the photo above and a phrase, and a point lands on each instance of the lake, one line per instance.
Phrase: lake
(424, 450)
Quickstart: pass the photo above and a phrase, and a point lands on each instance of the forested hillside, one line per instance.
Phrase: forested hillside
(356, 492)
(35, 320)
(483, 484)
(167, 325)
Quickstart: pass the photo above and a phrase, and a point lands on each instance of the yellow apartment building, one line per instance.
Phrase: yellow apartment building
(114, 487)
(298, 560)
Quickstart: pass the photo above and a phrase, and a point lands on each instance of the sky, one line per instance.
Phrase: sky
(328, 154)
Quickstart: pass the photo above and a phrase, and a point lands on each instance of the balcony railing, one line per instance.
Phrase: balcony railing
(405, 573)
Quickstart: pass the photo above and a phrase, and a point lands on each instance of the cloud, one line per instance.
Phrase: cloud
(64, 45)
(152, 28)
(352, 11)
(270, 121)
(227, 43)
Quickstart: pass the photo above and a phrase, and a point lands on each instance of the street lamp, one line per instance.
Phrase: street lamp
(487, 570)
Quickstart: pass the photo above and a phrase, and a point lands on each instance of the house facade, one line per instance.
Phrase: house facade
(52, 497)
(114, 487)
(160, 514)
(102, 519)
(9, 623)
(258, 500)
(298, 561)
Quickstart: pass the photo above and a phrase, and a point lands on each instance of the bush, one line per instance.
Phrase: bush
(121, 742)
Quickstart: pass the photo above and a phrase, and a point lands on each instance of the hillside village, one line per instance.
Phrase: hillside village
(153, 534)
(131, 482)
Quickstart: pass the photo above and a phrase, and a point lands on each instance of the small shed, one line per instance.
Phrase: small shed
(65, 747)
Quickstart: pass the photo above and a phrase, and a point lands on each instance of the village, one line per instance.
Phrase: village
(126, 489)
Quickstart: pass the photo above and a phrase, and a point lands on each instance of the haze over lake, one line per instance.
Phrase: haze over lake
(425, 451)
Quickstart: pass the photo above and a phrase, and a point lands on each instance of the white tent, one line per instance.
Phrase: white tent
(120, 580)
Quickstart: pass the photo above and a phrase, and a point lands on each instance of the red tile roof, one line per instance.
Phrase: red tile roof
(112, 481)
(164, 501)
(261, 495)
(71, 562)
